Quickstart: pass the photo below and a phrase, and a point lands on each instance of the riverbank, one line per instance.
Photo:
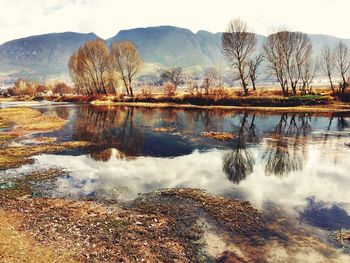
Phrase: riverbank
(170, 225)
(19, 123)
(340, 107)
(307, 103)
(297, 104)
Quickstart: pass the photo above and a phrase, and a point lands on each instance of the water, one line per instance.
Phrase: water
(296, 162)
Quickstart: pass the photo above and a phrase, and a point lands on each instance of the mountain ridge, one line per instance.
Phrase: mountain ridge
(45, 56)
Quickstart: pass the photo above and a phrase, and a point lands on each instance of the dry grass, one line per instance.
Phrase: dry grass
(342, 237)
(302, 109)
(222, 136)
(16, 156)
(163, 129)
(29, 120)
(20, 187)
(7, 99)
(6, 137)
(16, 246)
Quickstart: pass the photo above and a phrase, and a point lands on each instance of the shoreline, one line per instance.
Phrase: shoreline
(330, 108)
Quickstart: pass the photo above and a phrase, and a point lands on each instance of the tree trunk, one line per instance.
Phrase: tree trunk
(130, 87)
(253, 83)
(331, 82)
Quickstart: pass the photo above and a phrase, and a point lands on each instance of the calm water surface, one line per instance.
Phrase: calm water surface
(298, 162)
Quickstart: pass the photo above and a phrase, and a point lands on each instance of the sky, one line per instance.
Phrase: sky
(21, 18)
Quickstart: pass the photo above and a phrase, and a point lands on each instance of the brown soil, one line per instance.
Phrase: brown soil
(153, 229)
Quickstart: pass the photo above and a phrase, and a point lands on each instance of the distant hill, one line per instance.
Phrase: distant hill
(41, 56)
(166, 45)
(46, 56)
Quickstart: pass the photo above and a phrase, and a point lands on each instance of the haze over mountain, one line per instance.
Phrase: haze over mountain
(46, 56)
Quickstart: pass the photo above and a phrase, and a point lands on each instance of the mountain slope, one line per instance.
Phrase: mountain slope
(41, 55)
(166, 45)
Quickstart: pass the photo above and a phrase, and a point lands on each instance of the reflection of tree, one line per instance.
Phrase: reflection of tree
(341, 122)
(205, 120)
(128, 137)
(338, 120)
(238, 163)
(104, 155)
(62, 112)
(285, 151)
(279, 160)
(108, 128)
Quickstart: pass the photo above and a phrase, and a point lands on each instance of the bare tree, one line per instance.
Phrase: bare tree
(300, 48)
(211, 76)
(287, 52)
(173, 75)
(308, 73)
(328, 62)
(82, 84)
(62, 89)
(274, 53)
(89, 67)
(253, 65)
(126, 62)
(238, 44)
(342, 64)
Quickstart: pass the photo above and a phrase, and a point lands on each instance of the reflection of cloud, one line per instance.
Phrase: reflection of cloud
(319, 177)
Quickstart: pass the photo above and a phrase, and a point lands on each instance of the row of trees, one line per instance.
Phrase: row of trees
(24, 87)
(337, 59)
(96, 69)
(288, 56)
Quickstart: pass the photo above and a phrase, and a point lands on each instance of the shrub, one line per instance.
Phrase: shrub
(62, 88)
(220, 92)
(146, 92)
(169, 89)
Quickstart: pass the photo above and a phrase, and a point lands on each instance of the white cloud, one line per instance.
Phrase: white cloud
(106, 18)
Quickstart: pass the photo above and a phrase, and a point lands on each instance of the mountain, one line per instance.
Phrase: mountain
(46, 56)
(166, 45)
(41, 56)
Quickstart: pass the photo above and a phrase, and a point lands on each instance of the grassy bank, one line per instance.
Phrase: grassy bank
(302, 109)
(27, 120)
(24, 121)
(308, 103)
(241, 101)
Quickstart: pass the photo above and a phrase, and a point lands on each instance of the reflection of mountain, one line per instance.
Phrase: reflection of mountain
(330, 217)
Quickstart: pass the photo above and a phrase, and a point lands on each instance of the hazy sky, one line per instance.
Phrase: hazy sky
(20, 18)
